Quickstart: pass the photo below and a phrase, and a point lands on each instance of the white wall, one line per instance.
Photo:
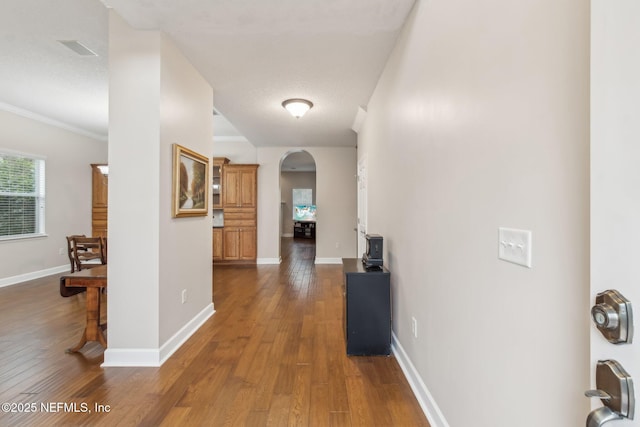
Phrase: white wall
(237, 150)
(134, 188)
(186, 243)
(68, 194)
(335, 198)
(480, 120)
(615, 175)
(156, 99)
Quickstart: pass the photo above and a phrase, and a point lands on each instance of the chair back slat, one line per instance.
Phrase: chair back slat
(70, 250)
(88, 252)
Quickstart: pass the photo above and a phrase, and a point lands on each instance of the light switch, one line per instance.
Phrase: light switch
(514, 246)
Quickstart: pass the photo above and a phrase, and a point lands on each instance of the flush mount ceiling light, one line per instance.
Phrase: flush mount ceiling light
(297, 106)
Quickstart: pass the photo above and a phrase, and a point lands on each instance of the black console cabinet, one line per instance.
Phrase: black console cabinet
(304, 229)
(367, 306)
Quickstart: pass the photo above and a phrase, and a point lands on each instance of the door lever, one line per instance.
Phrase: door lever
(615, 390)
(602, 415)
(602, 395)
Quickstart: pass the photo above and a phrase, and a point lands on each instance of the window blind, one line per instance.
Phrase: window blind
(22, 195)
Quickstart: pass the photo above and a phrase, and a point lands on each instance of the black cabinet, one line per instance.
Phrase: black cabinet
(305, 230)
(367, 305)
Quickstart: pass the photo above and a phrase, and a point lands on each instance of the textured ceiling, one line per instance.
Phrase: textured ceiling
(254, 53)
(40, 75)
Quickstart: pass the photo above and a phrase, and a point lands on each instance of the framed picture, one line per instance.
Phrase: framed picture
(190, 178)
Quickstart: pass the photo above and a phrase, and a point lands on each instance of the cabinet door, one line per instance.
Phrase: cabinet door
(368, 313)
(99, 201)
(248, 249)
(100, 187)
(231, 187)
(231, 243)
(248, 188)
(217, 244)
(99, 222)
(216, 179)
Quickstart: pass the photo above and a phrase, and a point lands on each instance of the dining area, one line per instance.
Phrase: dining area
(88, 274)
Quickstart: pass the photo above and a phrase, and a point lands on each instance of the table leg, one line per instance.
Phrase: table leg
(93, 329)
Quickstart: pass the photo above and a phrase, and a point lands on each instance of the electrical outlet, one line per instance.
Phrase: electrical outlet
(414, 327)
(184, 296)
(60, 251)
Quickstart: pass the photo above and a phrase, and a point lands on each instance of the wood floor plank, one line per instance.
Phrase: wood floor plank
(243, 365)
(205, 390)
(273, 354)
(279, 411)
(319, 414)
(240, 407)
(301, 396)
(261, 363)
(320, 360)
(339, 419)
(178, 416)
(257, 418)
(264, 390)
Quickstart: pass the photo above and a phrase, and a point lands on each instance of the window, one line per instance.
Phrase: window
(301, 197)
(21, 196)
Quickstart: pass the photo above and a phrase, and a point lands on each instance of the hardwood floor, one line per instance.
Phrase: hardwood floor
(273, 354)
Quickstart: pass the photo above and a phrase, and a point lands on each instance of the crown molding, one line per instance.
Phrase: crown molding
(49, 121)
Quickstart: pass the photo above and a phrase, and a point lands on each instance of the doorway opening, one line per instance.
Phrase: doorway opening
(298, 222)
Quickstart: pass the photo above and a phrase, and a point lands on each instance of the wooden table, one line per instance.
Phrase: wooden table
(95, 280)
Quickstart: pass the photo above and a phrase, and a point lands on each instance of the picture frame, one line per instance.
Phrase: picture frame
(190, 183)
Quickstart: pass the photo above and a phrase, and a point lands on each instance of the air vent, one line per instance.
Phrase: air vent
(78, 47)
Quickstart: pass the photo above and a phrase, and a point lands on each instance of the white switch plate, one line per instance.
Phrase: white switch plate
(515, 246)
(414, 327)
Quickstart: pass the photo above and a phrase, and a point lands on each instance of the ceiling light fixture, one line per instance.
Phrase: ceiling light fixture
(297, 106)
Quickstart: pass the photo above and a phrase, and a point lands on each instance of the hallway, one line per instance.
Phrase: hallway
(272, 354)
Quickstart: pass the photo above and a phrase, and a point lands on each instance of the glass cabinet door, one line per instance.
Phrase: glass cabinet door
(217, 183)
(217, 172)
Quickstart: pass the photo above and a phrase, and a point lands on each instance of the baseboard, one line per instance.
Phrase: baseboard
(180, 337)
(142, 357)
(132, 357)
(328, 260)
(8, 281)
(425, 399)
(269, 260)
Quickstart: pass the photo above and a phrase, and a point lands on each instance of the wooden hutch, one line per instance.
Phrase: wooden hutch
(236, 241)
(99, 200)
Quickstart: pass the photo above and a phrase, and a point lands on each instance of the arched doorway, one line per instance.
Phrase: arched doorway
(298, 202)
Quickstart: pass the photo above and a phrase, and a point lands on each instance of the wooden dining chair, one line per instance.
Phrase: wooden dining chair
(88, 252)
(104, 250)
(70, 249)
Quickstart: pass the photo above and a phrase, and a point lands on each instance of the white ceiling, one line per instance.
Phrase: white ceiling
(40, 75)
(255, 54)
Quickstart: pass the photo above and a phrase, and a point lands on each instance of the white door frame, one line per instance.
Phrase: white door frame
(615, 175)
(362, 204)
